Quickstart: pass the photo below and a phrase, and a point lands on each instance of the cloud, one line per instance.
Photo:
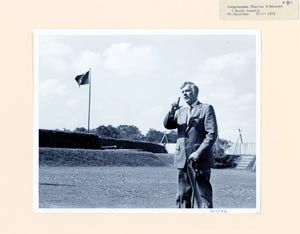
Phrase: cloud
(125, 58)
(245, 99)
(88, 59)
(55, 56)
(52, 87)
(54, 49)
(224, 68)
(222, 95)
(73, 102)
(62, 58)
(222, 62)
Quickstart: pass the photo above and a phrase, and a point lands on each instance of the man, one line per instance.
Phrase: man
(196, 133)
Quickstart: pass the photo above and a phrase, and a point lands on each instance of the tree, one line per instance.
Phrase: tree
(107, 131)
(66, 130)
(129, 132)
(172, 136)
(80, 129)
(220, 146)
(154, 135)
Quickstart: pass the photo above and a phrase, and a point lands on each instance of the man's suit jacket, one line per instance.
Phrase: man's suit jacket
(198, 133)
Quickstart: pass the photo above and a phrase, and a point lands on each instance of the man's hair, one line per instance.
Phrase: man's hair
(194, 87)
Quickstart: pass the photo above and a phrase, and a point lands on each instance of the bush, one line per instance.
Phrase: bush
(87, 157)
(131, 144)
(226, 161)
(61, 139)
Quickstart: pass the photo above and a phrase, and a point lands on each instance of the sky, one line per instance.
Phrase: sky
(136, 77)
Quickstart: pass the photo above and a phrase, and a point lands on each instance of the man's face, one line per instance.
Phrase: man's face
(188, 94)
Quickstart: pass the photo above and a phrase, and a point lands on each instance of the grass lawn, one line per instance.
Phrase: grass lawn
(135, 187)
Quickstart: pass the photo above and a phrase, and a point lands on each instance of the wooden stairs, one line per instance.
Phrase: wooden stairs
(246, 162)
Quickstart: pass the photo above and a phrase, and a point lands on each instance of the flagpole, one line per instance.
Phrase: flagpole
(90, 83)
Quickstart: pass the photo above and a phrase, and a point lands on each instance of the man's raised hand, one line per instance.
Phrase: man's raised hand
(175, 106)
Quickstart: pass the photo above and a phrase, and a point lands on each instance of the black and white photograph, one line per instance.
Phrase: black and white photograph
(147, 121)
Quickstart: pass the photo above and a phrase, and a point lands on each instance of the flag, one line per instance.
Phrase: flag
(83, 79)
